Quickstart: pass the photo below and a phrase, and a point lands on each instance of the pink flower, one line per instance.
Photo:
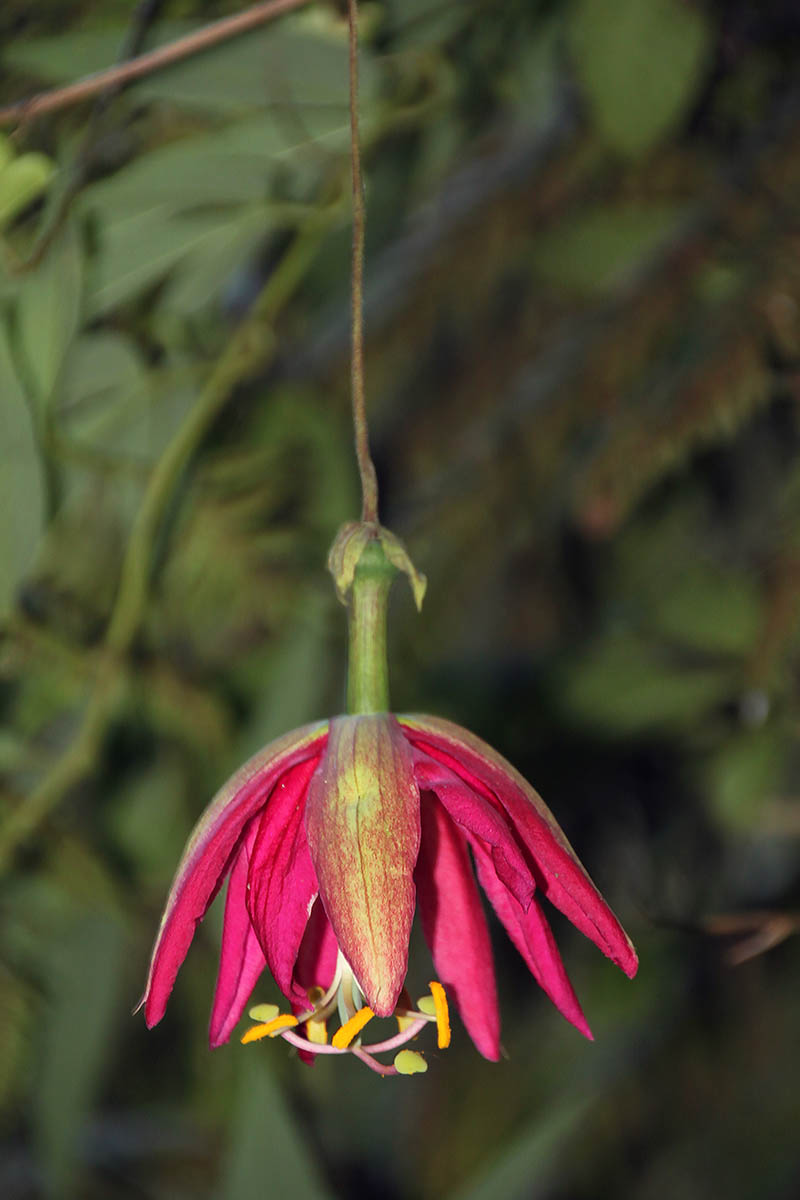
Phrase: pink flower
(330, 838)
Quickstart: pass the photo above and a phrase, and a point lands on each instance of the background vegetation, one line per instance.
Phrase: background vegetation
(583, 321)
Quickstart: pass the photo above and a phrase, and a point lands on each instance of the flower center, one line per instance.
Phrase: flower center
(344, 997)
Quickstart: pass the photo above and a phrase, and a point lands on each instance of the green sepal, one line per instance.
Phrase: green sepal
(348, 547)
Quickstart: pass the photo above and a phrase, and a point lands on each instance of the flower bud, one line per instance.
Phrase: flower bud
(363, 826)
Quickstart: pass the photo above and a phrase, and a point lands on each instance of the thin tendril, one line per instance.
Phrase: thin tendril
(366, 467)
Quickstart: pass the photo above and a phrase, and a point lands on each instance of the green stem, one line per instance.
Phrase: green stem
(252, 346)
(367, 663)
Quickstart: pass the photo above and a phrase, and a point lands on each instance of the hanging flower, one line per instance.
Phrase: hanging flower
(332, 836)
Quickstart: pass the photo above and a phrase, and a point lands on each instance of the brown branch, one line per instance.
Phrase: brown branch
(366, 467)
(25, 111)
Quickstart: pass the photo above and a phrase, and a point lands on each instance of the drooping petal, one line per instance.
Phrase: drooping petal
(362, 819)
(206, 859)
(559, 873)
(480, 818)
(315, 966)
(316, 959)
(282, 882)
(533, 937)
(241, 959)
(455, 927)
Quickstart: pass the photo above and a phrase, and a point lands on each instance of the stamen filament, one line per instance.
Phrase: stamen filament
(399, 1039)
(351, 1029)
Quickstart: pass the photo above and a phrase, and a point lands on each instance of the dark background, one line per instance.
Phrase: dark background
(583, 350)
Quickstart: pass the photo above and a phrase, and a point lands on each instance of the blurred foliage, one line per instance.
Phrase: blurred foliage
(583, 317)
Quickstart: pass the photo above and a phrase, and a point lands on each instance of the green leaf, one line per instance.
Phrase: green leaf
(421, 24)
(281, 66)
(149, 820)
(290, 65)
(744, 777)
(139, 249)
(709, 609)
(639, 63)
(7, 154)
(49, 311)
(71, 55)
(267, 1154)
(229, 166)
(22, 488)
(203, 274)
(626, 686)
(15, 1034)
(100, 368)
(21, 182)
(589, 252)
(113, 404)
(524, 1169)
(85, 967)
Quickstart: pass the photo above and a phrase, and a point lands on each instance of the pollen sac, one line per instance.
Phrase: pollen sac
(363, 825)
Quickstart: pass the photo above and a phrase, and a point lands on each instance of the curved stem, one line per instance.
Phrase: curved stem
(366, 467)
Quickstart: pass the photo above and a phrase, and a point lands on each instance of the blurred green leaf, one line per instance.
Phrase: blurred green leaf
(22, 490)
(102, 367)
(744, 777)
(202, 277)
(267, 1153)
(71, 54)
(639, 62)
(49, 311)
(420, 24)
(22, 181)
(7, 153)
(525, 1169)
(627, 685)
(290, 64)
(230, 166)
(149, 821)
(84, 965)
(708, 608)
(15, 1022)
(139, 249)
(590, 252)
(280, 65)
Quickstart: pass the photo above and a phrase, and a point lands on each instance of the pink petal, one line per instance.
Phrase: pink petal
(362, 819)
(315, 966)
(558, 871)
(241, 957)
(206, 858)
(479, 818)
(282, 881)
(316, 960)
(455, 927)
(533, 937)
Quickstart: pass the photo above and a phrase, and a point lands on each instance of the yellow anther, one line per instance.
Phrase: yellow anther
(352, 1028)
(269, 1028)
(408, 1062)
(427, 1006)
(404, 1021)
(263, 1012)
(442, 1013)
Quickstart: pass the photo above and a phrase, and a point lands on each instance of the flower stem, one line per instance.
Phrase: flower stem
(366, 467)
(367, 663)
